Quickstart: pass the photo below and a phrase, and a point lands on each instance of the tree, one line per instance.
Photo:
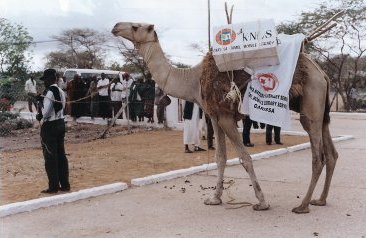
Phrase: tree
(14, 42)
(134, 63)
(341, 50)
(80, 48)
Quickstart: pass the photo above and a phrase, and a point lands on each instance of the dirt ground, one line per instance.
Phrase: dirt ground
(95, 162)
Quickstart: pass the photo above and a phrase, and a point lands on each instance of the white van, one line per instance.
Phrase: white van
(88, 73)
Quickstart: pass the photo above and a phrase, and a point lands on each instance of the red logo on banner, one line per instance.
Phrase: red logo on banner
(225, 36)
(268, 81)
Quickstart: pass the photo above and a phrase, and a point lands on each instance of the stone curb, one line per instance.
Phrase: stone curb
(212, 166)
(18, 207)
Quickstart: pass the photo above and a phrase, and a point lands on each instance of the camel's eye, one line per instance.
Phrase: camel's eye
(135, 28)
(150, 28)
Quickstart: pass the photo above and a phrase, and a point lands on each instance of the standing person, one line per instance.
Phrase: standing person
(31, 90)
(78, 92)
(126, 81)
(277, 134)
(116, 96)
(191, 115)
(93, 92)
(136, 105)
(104, 102)
(148, 97)
(247, 125)
(53, 134)
(160, 105)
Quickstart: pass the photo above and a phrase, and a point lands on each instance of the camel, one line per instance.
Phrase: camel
(309, 96)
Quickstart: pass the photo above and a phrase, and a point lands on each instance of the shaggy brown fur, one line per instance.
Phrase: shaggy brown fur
(215, 86)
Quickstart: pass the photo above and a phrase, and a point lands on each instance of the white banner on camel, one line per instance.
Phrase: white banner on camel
(267, 96)
(251, 44)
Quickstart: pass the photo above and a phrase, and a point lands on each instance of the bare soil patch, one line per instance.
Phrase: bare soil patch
(120, 157)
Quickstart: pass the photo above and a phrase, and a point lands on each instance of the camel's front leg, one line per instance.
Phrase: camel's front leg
(229, 126)
(221, 163)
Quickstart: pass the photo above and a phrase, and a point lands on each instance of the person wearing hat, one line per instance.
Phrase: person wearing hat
(53, 134)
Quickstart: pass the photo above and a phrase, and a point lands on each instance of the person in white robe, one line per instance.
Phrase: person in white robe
(191, 117)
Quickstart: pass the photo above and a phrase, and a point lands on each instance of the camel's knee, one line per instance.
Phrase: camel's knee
(246, 162)
(318, 165)
(331, 161)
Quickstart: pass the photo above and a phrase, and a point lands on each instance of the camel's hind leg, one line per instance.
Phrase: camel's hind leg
(227, 123)
(331, 157)
(314, 129)
(221, 163)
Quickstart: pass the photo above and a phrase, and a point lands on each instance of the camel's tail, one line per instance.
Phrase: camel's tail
(326, 118)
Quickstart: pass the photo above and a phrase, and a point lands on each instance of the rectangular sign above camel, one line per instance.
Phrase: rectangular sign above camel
(250, 44)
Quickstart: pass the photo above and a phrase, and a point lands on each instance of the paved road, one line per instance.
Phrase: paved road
(164, 210)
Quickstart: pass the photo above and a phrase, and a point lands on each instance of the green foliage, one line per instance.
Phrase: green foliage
(5, 104)
(10, 122)
(11, 89)
(5, 116)
(14, 41)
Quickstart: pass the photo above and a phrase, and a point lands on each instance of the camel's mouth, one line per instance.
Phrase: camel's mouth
(115, 31)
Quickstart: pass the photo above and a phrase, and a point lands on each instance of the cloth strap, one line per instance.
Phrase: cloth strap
(57, 105)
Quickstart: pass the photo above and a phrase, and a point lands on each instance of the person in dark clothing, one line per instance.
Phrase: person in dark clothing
(136, 105)
(247, 124)
(51, 110)
(277, 134)
(148, 97)
(77, 108)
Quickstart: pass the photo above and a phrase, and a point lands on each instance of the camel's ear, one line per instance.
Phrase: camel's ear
(134, 28)
(150, 28)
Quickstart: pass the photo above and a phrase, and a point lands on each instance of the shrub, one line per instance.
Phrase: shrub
(10, 122)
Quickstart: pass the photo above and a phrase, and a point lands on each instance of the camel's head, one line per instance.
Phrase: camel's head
(135, 32)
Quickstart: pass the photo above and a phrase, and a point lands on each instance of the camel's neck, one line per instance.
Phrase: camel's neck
(180, 83)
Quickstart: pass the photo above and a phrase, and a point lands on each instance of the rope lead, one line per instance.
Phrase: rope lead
(234, 94)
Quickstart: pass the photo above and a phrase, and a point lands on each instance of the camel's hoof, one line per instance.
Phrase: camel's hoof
(213, 201)
(301, 210)
(261, 207)
(318, 202)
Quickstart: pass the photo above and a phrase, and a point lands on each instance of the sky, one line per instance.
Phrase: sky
(179, 23)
